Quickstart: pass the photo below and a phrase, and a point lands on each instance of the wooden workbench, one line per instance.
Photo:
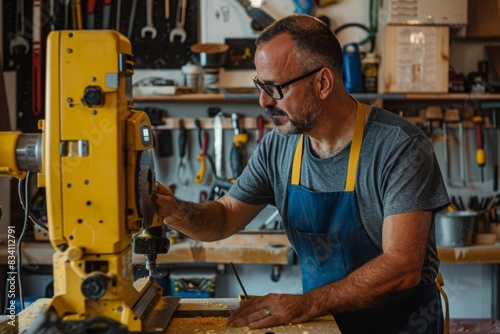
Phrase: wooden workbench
(200, 325)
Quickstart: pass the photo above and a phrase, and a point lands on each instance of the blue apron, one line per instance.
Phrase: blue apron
(331, 243)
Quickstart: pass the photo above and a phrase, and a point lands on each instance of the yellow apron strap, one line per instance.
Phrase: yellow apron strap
(297, 161)
(359, 129)
(440, 284)
(357, 139)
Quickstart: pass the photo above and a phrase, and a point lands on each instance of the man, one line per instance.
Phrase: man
(357, 188)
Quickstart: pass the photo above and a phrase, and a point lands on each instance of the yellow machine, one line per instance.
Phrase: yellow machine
(94, 158)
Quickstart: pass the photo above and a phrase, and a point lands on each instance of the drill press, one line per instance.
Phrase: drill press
(94, 158)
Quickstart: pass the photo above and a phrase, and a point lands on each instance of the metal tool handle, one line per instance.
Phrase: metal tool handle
(218, 144)
(132, 18)
(181, 13)
(20, 17)
(149, 9)
(182, 139)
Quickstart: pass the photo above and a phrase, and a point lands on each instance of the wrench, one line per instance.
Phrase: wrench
(19, 40)
(180, 19)
(149, 28)
(131, 20)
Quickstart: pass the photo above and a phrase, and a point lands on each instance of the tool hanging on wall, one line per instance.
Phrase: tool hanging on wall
(91, 14)
(37, 52)
(149, 28)
(240, 138)
(77, 14)
(371, 30)
(201, 158)
(182, 168)
(446, 160)
(19, 41)
(180, 20)
(131, 21)
(462, 148)
(118, 13)
(219, 145)
(494, 128)
(106, 14)
(453, 117)
(260, 19)
(479, 138)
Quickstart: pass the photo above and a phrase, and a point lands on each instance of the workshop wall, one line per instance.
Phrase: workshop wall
(470, 294)
(468, 286)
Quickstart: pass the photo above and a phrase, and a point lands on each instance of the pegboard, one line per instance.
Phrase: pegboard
(160, 53)
(157, 53)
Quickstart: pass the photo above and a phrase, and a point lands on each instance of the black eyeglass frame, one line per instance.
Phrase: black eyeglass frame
(263, 86)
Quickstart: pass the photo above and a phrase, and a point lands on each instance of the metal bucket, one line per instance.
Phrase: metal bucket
(455, 228)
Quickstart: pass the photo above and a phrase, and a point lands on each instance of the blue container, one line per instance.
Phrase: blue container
(352, 71)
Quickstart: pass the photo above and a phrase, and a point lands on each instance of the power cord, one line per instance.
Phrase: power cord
(23, 231)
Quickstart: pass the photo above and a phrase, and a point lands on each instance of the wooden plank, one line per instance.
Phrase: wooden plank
(218, 324)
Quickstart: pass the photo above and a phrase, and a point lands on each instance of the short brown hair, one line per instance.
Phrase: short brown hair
(316, 44)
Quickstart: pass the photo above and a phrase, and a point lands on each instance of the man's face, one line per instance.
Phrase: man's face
(298, 110)
(301, 116)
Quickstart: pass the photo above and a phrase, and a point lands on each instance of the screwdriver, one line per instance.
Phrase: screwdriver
(495, 150)
(480, 153)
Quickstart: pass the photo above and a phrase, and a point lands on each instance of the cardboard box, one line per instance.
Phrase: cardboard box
(484, 18)
(415, 59)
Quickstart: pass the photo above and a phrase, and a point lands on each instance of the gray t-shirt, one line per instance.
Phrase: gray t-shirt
(397, 172)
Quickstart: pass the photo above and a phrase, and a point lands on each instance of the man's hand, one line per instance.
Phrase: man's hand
(271, 310)
(166, 204)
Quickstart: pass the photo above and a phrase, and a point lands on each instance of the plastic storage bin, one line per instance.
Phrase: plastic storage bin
(193, 283)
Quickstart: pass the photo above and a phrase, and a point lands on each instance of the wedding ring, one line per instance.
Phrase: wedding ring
(266, 312)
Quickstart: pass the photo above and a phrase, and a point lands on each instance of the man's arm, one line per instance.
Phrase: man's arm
(404, 242)
(404, 238)
(208, 221)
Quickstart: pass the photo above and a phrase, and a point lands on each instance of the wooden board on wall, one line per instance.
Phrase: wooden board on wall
(415, 59)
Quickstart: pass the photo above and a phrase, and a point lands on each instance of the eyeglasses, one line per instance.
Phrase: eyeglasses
(273, 90)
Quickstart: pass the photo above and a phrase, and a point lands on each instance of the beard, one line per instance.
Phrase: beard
(304, 122)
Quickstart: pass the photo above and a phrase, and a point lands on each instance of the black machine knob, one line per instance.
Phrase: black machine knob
(94, 286)
(92, 96)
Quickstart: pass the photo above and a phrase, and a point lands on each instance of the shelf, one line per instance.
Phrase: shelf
(248, 248)
(253, 97)
(470, 254)
(243, 248)
(246, 123)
